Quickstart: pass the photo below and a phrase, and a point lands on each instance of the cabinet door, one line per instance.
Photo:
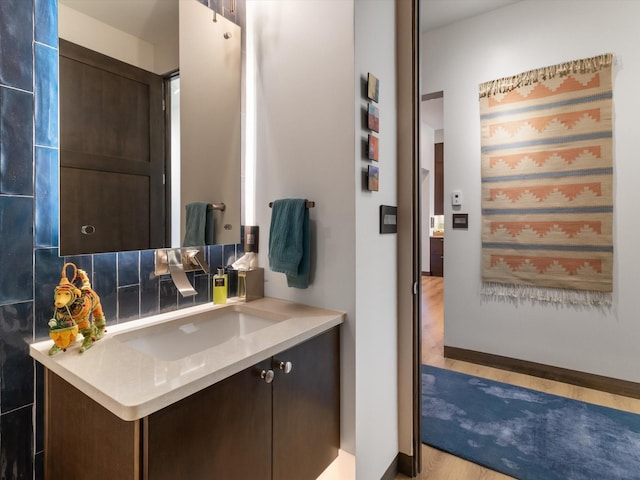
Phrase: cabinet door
(306, 408)
(111, 153)
(437, 266)
(437, 256)
(222, 432)
(85, 441)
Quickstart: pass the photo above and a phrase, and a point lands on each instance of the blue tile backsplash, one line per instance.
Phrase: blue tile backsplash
(16, 249)
(47, 210)
(30, 266)
(16, 32)
(46, 22)
(16, 323)
(16, 439)
(16, 138)
(46, 96)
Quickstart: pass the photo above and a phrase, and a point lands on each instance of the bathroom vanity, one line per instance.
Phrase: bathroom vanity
(259, 401)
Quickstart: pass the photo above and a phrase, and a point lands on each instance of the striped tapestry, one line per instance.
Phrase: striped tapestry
(547, 181)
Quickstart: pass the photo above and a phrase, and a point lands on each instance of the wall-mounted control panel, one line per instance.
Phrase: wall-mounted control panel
(388, 219)
(456, 198)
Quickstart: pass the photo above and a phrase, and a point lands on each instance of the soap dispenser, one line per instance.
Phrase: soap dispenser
(220, 287)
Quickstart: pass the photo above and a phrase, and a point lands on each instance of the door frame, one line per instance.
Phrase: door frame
(409, 230)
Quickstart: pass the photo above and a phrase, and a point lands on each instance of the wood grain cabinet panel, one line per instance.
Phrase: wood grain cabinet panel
(241, 427)
(306, 408)
(83, 440)
(436, 256)
(111, 154)
(223, 431)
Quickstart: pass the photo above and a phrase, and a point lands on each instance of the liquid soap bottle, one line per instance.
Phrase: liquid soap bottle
(220, 287)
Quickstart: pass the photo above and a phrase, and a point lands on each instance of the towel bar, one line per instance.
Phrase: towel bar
(309, 204)
(217, 206)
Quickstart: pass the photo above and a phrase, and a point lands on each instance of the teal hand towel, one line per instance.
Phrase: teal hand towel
(289, 241)
(199, 225)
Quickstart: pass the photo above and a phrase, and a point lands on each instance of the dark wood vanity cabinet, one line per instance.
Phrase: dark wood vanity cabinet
(436, 256)
(241, 427)
(84, 440)
(244, 427)
(223, 431)
(306, 408)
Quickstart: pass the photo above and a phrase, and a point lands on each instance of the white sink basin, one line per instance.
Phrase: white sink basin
(182, 337)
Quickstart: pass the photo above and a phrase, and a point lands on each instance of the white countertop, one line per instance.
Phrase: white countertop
(132, 384)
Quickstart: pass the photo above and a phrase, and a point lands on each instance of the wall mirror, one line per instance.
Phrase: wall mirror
(150, 121)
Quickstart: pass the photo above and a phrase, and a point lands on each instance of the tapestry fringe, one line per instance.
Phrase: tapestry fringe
(586, 65)
(502, 291)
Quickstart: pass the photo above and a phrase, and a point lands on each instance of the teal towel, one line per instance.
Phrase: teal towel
(199, 225)
(289, 241)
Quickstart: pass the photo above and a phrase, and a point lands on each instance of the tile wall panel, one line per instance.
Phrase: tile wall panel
(46, 95)
(105, 283)
(82, 262)
(128, 268)
(168, 295)
(149, 285)
(203, 285)
(47, 276)
(39, 410)
(46, 22)
(16, 442)
(16, 141)
(16, 32)
(16, 366)
(128, 303)
(16, 240)
(47, 199)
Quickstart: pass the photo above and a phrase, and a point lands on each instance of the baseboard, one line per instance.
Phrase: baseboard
(392, 471)
(403, 463)
(426, 274)
(573, 377)
(406, 465)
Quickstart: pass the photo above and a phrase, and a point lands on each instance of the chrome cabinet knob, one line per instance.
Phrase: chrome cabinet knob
(286, 367)
(267, 375)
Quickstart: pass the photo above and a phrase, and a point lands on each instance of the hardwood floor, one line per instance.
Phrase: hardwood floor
(437, 465)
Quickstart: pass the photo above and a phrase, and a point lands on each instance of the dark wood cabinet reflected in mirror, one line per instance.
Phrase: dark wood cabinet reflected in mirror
(129, 160)
(112, 156)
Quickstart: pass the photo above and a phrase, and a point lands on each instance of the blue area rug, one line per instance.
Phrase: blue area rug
(527, 434)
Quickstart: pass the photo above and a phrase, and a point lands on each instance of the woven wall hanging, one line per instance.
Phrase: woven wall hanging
(547, 184)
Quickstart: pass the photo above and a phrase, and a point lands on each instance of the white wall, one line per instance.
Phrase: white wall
(308, 144)
(84, 30)
(305, 149)
(376, 254)
(520, 37)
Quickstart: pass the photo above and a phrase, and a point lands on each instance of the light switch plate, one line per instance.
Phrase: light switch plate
(456, 198)
(388, 219)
